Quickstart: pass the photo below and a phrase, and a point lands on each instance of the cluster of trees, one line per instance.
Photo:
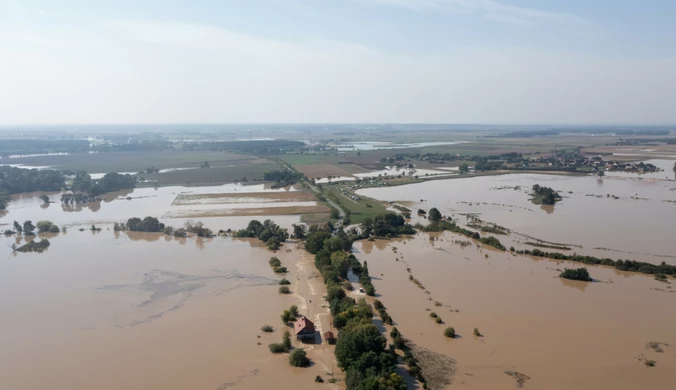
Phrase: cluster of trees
(622, 265)
(545, 195)
(272, 234)
(47, 227)
(28, 229)
(319, 238)
(113, 181)
(385, 225)
(361, 352)
(78, 198)
(17, 180)
(576, 274)
(282, 178)
(135, 224)
(34, 246)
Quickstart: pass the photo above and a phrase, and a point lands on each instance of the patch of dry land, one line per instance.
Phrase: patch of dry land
(250, 211)
(243, 197)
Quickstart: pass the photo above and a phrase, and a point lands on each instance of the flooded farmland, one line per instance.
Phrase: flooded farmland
(144, 311)
(537, 329)
(617, 217)
(175, 204)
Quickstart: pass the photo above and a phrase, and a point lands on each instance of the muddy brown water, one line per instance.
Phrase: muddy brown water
(157, 202)
(143, 311)
(637, 225)
(561, 334)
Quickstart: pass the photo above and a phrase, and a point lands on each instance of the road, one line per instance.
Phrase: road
(316, 190)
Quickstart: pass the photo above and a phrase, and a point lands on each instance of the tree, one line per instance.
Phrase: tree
(286, 339)
(18, 227)
(28, 228)
(449, 332)
(315, 241)
(299, 231)
(434, 215)
(298, 358)
(356, 341)
(47, 226)
(44, 198)
(464, 168)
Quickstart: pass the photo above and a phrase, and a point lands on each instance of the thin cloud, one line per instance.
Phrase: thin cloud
(491, 9)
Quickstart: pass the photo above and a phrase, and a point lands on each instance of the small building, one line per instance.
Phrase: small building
(304, 329)
(329, 337)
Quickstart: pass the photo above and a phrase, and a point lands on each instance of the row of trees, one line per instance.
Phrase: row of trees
(282, 178)
(17, 180)
(622, 265)
(385, 225)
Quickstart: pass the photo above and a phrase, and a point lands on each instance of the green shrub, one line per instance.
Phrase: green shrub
(287, 316)
(284, 290)
(399, 342)
(284, 282)
(280, 270)
(294, 311)
(278, 348)
(438, 320)
(298, 358)
(477, 333)
(449, 332)
(286, 339)
(274, 262)
(576, 274)
(433, 315)
(267, 328)
(394, 333)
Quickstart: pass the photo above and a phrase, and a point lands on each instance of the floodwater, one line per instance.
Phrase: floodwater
(158, 202)
(559, 334)
(637, 223)
(389, 145)
(144, 311)
(403, 171)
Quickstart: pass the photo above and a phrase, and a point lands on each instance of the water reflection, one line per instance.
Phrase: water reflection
(576, 284)
(549, 209)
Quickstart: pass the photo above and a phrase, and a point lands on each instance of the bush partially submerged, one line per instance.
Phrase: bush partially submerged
(284, 290)
(298, 358)
(267, 328)
(449, 332)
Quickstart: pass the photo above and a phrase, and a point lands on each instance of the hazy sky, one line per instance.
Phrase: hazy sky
(451, 61)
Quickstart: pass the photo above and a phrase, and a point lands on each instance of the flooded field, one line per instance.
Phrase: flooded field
(538, 331)
(616, 217)
(143, 311)
(171, 204)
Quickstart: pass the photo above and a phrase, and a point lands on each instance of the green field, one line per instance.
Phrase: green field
(359, 209)
(252, 171)
(135, 161)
